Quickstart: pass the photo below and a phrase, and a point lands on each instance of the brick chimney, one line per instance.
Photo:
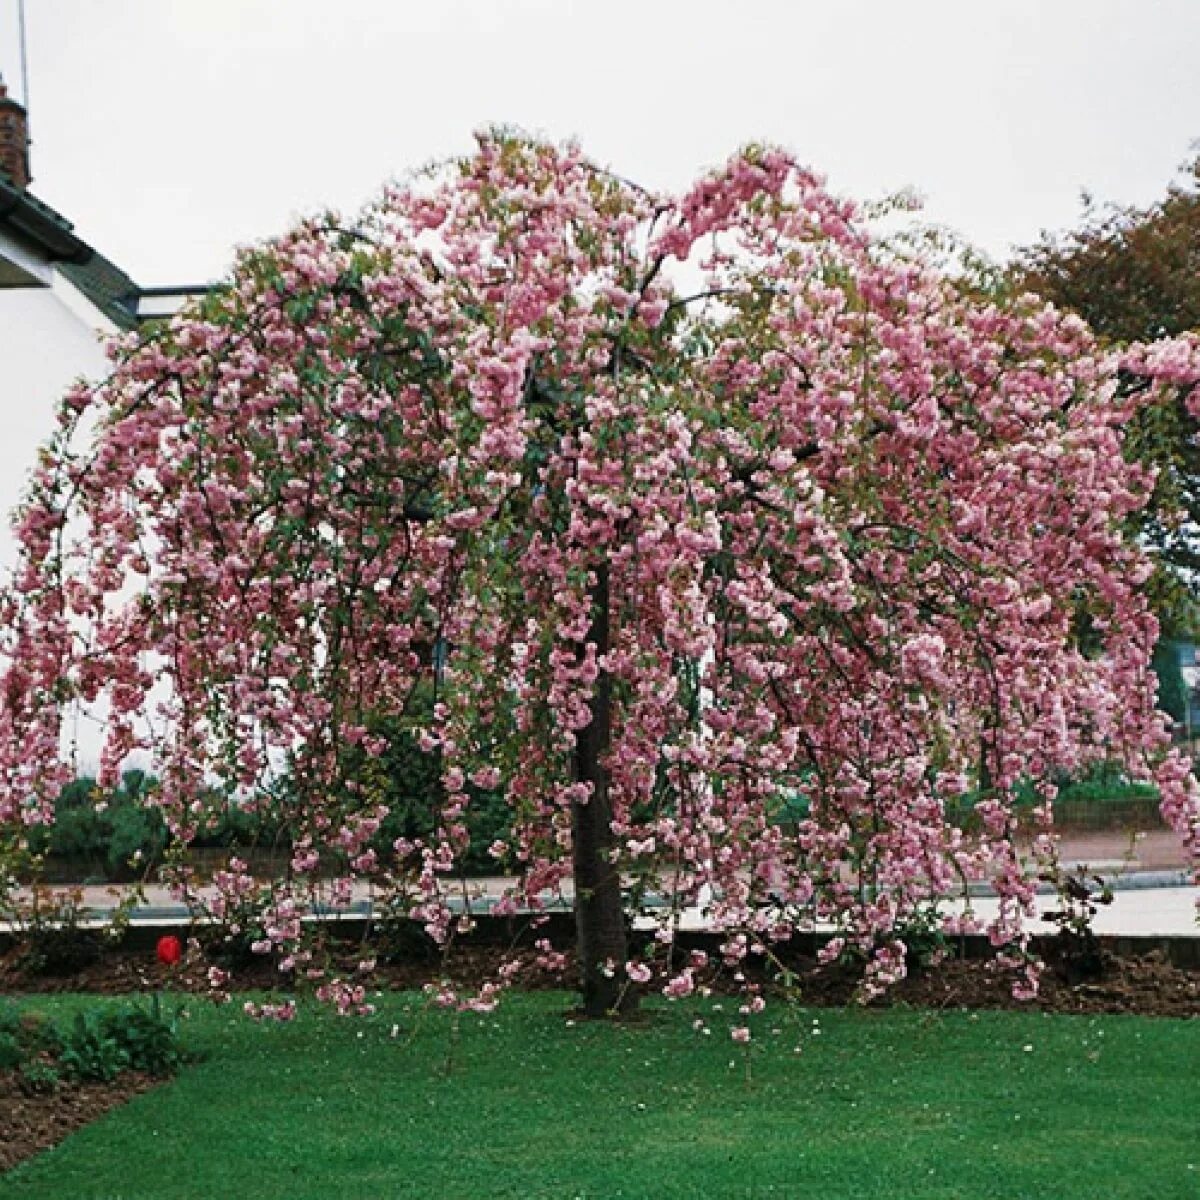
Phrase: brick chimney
(14, 139)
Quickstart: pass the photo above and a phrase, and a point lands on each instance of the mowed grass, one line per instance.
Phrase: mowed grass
(879, 1104)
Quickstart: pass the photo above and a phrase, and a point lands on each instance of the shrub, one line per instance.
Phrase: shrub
(96, 1046)
(11, 1052)
(38, 1078)
(90, 1050)
(112, 833)
(1080, 896)
(39, 1033)
(147, 1036)
(25, 1036)
(54, 939)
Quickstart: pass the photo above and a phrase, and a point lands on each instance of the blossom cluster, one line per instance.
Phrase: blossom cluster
(849, 516)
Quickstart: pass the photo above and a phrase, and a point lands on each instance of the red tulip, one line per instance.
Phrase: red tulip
(169, 950)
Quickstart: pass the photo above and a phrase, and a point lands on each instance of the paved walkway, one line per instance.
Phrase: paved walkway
(1160, 909)
(1134, 912)
(1154, 893)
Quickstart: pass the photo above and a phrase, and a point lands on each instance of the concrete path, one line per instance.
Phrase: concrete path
(1155, 894)
(1159, 904)
(1134, 912)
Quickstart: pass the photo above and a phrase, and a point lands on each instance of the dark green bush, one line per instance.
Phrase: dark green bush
(240, 827)
(90, 1051)
(1104, 784)
(38, 1078)
(147, 1036)
(112, 835)
(24, 1036)
(97, 1045)
(12, 1053)
(119, 835)
(1172, 687)
(10, 1017)
(409, 781)
(40, 1034)
(1100, 792)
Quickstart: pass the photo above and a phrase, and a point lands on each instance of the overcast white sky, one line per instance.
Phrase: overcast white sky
(171, 130)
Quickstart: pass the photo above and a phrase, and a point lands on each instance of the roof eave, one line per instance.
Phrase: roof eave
(40, 225)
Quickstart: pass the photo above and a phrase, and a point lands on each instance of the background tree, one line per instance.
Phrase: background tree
(469, 470)
(1134, 275)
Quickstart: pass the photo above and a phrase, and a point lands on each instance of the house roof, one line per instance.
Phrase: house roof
(104, 283)
(37, 222)
(107, 287)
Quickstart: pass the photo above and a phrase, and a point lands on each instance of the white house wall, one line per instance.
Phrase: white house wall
(49, 337)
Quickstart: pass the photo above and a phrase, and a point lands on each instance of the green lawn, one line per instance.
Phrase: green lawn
(880, 1105)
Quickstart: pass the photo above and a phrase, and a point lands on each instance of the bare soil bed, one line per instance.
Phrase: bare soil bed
(1149, 987)
(31, 1123)
(1146, 986)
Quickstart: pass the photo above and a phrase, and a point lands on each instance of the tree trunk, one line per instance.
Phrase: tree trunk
(599, 911)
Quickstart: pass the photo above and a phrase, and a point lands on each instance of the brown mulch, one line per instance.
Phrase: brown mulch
(1148, 986)
(30, 1124)
(118, 973)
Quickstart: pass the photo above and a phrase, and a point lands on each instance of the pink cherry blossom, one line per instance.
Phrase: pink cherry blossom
(846, 512)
